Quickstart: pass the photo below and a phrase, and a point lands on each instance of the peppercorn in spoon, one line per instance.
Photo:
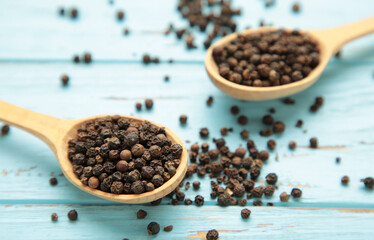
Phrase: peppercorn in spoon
(57, 133)
(257, 78)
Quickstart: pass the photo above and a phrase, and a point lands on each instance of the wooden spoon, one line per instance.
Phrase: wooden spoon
(57, 132)
(330, 41)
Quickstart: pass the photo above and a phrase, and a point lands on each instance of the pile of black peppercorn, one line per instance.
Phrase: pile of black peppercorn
(122, 156)
(265, 59)
(202, 15)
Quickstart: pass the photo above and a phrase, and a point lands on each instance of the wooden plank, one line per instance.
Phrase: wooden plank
(110, 89)
(190, 222)
(34, 31)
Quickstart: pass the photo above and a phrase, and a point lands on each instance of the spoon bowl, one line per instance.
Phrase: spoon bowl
(329, 42)
(56, 133)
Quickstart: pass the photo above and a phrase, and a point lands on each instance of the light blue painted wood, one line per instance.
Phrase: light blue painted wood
(117, 222)
(36, 46)
(34, 31)
(339, 122)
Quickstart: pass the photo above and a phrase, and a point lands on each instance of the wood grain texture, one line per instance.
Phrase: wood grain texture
(190, 222)
(339, 125)
(36, 47)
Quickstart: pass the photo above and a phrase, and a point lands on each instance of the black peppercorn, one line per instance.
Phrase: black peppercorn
(168, 228)
(72, 215)
(313, 142)
(141, 214)
(196, 185)
(183, 119)
(296, 193)
(53, 181)
(245, 213)
(87, 58)
(5, 130)
(271, 178)
(284, 197)
(148, 103)
(153, 228)
(292, 145)
(204, 132)
(209, 102)
(368, 182)
(120, 15)
(234, 110)
(212, 235)
(199, 200)
(54, 217)
(65, 80)
(345, 180)
(271, 144)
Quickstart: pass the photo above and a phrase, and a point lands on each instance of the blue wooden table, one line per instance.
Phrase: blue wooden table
(36, 47)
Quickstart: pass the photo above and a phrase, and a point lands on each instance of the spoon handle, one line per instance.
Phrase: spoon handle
(45, 127)
(336, 37)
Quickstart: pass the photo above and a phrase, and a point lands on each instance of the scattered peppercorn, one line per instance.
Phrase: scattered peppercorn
(243, 202)
(245, 213)
(196, 185)
(299, 123)
(242, 120)
(258, 203)
(269, 190)
(204, 132)
(72, 215)
(369, 182)
(271, 144)
(313, 142)
(141, 214)
(271, 178)
(284, 197)
(65, 80)
(53, 181)
(138, 106)
(225, 130)
(296, 7)
(120, 15)
(267, 119)
(166, 78)
(296, 193)
(209, 102)
(76, 59)
(345, 180)
(292, 145)
(61, 11)
(279, 127)
(244, 134)
(87, 58)
(224, 200)
(337, 160)
(212, 235)
(234, 110)
(54, 217)
(73, 13)
(183, 119)
(5, 130)
(199, 200)
(317, 104)
(153, 228)
(168, 228)
(148, 103)
(289, 101)
(126, 31)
